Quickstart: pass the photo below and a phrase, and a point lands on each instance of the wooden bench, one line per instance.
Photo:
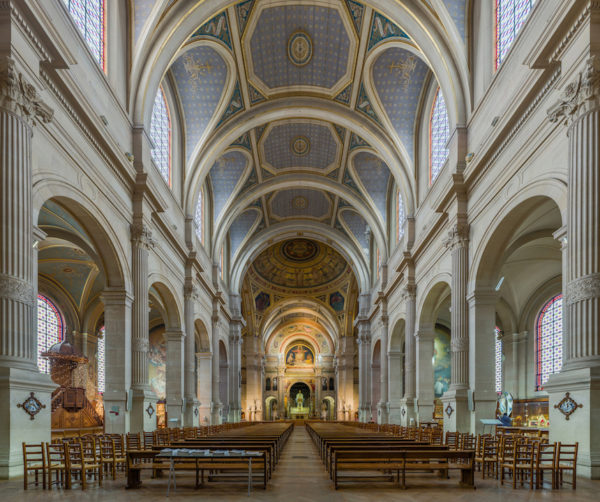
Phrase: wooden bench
(395, 464)
(139, 460)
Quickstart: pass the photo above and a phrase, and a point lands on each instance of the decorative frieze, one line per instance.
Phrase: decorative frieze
(17, 289)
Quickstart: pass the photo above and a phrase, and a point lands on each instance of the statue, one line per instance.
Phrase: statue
(300, 399)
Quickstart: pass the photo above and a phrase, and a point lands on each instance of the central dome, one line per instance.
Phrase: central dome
(299, 263)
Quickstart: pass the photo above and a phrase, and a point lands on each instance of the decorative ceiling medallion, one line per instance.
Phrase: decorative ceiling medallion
(300, 145)
(567, 406)
(300, 249)
(32, 406)
(300, 48)
(299, 202)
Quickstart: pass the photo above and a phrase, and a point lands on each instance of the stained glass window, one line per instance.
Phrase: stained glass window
(439, 133)
(88, 16)
(160, 133)
(510, 16)
(400, 215)
(199, 217)
(498, 359)
(549, 340)
(49, 329)
(101, 360)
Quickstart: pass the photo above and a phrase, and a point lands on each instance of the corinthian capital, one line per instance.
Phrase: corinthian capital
(458, 236)
(142, 236)
(580, 95)
(19, 96)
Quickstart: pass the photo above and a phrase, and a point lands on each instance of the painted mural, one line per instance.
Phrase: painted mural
(299, 355)
(157, 363)
(336, 300)
(441, 361)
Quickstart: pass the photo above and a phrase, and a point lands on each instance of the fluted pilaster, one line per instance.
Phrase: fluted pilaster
(458, 243)
(410, 300)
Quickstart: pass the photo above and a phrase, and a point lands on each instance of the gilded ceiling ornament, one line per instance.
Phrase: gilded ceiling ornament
(300, 145)
(196, 69)
(404, 68)
(300, 48)
(299, 202)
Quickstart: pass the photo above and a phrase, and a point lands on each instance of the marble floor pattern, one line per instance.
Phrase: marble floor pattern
(300, 477)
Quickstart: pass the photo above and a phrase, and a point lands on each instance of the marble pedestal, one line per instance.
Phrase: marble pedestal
(583, 425)
(16, 427)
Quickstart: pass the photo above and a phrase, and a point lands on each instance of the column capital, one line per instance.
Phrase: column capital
(458, 236)
(20, 97)
(141, 235)
(579, 96)
(583, 288)
(409, 293)
(190, 292)
(483, 297)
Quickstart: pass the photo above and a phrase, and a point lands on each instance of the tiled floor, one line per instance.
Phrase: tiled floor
(300, 477)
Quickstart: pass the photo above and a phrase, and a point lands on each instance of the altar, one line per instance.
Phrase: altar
(299, 412)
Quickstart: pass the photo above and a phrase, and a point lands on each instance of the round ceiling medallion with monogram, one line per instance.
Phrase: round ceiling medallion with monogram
(300, 145)
(299, 202)
(300, 49)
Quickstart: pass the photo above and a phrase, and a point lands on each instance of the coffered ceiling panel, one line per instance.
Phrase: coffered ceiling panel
(298, 145)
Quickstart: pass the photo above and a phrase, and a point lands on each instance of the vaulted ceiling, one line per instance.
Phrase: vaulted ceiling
(301, 115)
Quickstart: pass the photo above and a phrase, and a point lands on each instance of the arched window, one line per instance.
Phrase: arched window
(400, 215)
(160, 133)
(199, 217)
(268, 384)
(548, 333)
(510, 16)
(88, 16)
(50, 327)
(101, 358)
(498, 359)
(439, 133)
(331, 384)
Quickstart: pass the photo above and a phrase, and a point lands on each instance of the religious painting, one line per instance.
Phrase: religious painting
(336, 300)
(441, 361)
(262, 301)
(299, 355)
(157, 363)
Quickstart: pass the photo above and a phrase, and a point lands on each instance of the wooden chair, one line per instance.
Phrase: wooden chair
(81, 459)
(452, 440)
(56, 455)
(133, 441)
(109, 457)
(507, 457)
(34, 460)
(545, 460)
(566, 460)
(524, 463)
(468, 441)
(148, 440)
(490, 457)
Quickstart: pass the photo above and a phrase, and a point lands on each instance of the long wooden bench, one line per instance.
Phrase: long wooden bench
(395, 464)
(140, 460)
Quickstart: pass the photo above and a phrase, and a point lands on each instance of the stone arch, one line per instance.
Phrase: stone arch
(375, 378)
(171, 308)
(202, 336)
(435, 294)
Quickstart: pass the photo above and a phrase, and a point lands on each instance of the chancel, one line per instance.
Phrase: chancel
(289, 247)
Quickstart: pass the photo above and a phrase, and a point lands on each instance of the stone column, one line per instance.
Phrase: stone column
(345, 379)
(579, 108)
(141, 243)
(482, 319)
(20, 108)
(280, 392)
(364, 371)
(384, 400)
(117, 335)
(216, 405)
(408, 401)
(204, 362)
(235, 370)
(424, 370)
(455, 398)
(254, 391)
(190, 412)
(176, 340)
